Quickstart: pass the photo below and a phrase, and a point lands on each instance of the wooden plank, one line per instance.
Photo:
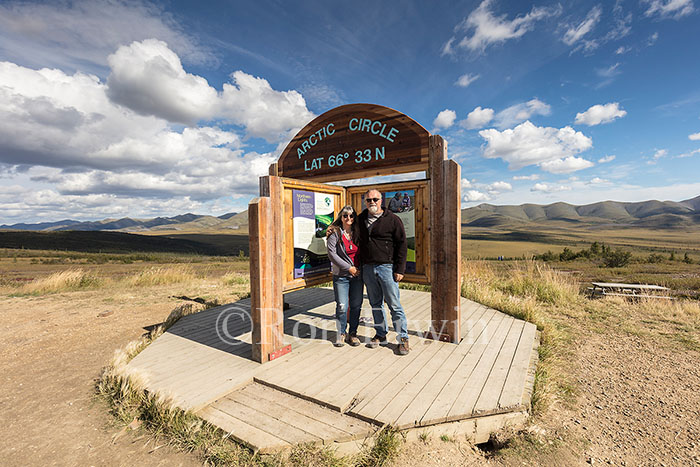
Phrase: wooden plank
(495, 382)
(465, 400)
(340, 393)
(381, 376)
(277, 428)
(414, 414)
(514, 387)
(398, 383)
(239, 430)
(406, 394)
(349, 427)
(313, 428)
(440, 407)
(452, 240)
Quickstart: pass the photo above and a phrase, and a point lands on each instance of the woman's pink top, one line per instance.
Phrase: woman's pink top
(350, 248)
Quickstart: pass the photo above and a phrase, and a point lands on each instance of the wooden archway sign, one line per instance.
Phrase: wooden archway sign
(349, 142)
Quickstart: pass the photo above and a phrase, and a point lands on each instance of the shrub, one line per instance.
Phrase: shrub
(567, 255)
(655, 258)
(617, 259)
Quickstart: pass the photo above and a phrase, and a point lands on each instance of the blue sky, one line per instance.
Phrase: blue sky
(111, 109)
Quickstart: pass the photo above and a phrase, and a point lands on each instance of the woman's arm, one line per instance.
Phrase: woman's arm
(336, 259)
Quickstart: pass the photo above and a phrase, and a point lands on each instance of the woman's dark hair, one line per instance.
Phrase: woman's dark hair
(337, 224)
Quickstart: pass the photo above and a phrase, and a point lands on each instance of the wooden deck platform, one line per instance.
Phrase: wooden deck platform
(320, 393)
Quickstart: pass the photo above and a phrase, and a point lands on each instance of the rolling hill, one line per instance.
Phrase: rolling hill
(651, 214)
(647, 214)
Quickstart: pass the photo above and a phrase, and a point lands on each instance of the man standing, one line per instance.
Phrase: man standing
(383, 250)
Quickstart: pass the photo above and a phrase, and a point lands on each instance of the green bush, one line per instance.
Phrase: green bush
(617, 259)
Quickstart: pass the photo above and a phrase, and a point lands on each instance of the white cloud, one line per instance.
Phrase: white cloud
(669, 8)
(265, 113)
(552, 149)
(566, 165)
(576, 32)
(622, 50)
(466, 79)
(597, 114)
(80, 35)
(445, 119)
(687, 154)
(694, 137)
(498, 187)
(520, 112)
(659, 154)
(652, 39)
(482, 28)
(606, 159)
(474, 195)
(527, 177)
(609, 72)
(543, 187)
(148, 78)
(466, 183)
(477, 118)
(598, 181)
(80, 154)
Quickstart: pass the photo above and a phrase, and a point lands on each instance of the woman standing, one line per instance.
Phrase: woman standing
(343, 242)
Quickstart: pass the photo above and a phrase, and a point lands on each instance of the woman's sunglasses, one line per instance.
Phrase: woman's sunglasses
(348, 216)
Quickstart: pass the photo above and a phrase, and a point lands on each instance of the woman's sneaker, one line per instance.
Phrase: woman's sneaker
(339, 340)
(377, 341)
(352, 340)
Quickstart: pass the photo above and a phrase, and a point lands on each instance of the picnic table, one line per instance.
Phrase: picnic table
(616, 289)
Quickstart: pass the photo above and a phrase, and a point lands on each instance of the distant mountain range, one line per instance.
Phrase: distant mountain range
(646, 214)
(649, 214)
(185, 222)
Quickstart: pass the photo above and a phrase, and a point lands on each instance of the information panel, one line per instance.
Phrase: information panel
(312, 214)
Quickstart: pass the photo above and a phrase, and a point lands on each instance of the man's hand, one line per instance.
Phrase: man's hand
(398, 277)
(354, 272)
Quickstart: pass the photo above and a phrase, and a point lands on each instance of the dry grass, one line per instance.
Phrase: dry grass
(235, 278)
(536, 293)
(63, 281)
(163, 275)
(672, 323)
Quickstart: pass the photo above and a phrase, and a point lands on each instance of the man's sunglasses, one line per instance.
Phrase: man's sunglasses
(372, 200)
(348, 216)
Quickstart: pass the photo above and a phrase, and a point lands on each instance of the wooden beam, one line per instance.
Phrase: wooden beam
(271, 186)
(260, 272)
(445, 244)
(265, 237)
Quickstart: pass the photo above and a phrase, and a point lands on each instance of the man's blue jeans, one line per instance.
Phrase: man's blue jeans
(348, 302)
(381, 287)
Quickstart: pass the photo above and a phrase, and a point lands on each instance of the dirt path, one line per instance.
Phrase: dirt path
(52, 349)
(640, 402)
(638, 399)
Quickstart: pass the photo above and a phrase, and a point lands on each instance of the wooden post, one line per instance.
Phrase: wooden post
(265, 233)
(445, 243)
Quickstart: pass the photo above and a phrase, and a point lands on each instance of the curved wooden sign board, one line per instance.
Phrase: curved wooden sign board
(355, 141)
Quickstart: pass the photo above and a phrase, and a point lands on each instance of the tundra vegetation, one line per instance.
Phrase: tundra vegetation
(544, 287)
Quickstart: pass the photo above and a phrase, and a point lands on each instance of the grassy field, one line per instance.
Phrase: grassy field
(50, 284)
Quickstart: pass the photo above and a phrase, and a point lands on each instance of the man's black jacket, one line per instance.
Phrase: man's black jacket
(384, 242)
